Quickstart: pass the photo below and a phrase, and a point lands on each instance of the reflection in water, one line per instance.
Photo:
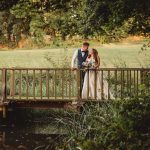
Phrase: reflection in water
(21, 139)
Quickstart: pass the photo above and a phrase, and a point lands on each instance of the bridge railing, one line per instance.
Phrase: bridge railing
(55, 84)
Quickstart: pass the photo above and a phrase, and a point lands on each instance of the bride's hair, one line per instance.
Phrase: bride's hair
(95, 54)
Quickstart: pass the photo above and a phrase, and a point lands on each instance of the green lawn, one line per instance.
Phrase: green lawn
(112, 55)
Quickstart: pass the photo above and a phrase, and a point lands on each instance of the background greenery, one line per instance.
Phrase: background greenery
(102, 20)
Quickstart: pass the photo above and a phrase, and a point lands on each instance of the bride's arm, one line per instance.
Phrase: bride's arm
(98, 64)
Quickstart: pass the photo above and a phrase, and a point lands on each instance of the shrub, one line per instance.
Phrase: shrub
(122, 124)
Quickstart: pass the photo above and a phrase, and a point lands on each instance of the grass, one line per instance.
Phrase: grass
(112, 55)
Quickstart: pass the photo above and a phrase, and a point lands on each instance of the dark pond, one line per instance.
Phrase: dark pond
(35, 134)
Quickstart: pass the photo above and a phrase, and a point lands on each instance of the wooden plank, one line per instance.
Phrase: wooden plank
(62, 78)
(127, 82)
(20, 84)
(130, 83)
(108, 85)
(12, 84)
(70, 84)
(27, 84)
(102, 87)
(88, 73)
(103, 69)
(95, 85)
(137, 88)
(4, 85)
(55, 84)
(34, 97)
(41, 93)
(78, 84)
(47, 83)
(116, 83)
(134, 80)
(123, 83)
(66, 73)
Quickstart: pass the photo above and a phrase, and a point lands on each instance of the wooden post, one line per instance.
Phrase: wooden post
(116, 82)
(95, 85)
(3, 99)
(12, 83)
(79, 84)
(142, 76)
(3, 85)
(109, 85)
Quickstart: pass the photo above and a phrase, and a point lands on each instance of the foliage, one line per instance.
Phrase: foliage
(145, 49)
(69, 18)
(124, 124)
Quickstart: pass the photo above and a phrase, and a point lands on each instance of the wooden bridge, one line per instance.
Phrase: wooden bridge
(56, 87)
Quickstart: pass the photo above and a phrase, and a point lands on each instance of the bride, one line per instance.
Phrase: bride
(92, 81)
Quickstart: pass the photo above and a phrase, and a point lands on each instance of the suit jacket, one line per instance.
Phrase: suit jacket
(78, 58)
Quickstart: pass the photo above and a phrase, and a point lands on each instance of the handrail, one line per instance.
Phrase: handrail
(30, 68)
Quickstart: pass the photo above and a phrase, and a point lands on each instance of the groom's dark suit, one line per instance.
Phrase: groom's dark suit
(82, 55)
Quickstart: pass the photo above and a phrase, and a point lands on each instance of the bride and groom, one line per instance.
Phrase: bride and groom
(90, 83)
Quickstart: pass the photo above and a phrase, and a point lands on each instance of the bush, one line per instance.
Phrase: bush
(130, 127)
(123, 124)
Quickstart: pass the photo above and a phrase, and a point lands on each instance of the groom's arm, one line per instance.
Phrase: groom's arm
(74, 60)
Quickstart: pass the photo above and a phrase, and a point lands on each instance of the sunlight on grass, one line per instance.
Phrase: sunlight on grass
(111, 55)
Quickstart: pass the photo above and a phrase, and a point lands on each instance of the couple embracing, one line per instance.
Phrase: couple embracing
(88, 61)
(90, 79)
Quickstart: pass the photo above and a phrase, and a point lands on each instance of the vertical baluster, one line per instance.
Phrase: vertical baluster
(12, 90)
(70, 84)
(121, 84)
(47, 83)
(66, 83)
(134, 84)
(87, 84)
(108, 85)
(78, 84)
(41, 93)
(62, 83)
(95, 85)
(75, 84)
(20, 87)
(125, 83)
(116, 84)
(141, 79)
(130, 84)
(53, 84)
(4, 87)
(102, 88)
(34, 97)
(55, 91)
(137, 88)
(27, 82)
(66, 75)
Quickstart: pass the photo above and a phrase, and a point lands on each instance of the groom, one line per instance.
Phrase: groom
(78, 59)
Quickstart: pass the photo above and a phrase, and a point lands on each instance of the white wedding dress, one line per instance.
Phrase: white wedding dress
(92, 84)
